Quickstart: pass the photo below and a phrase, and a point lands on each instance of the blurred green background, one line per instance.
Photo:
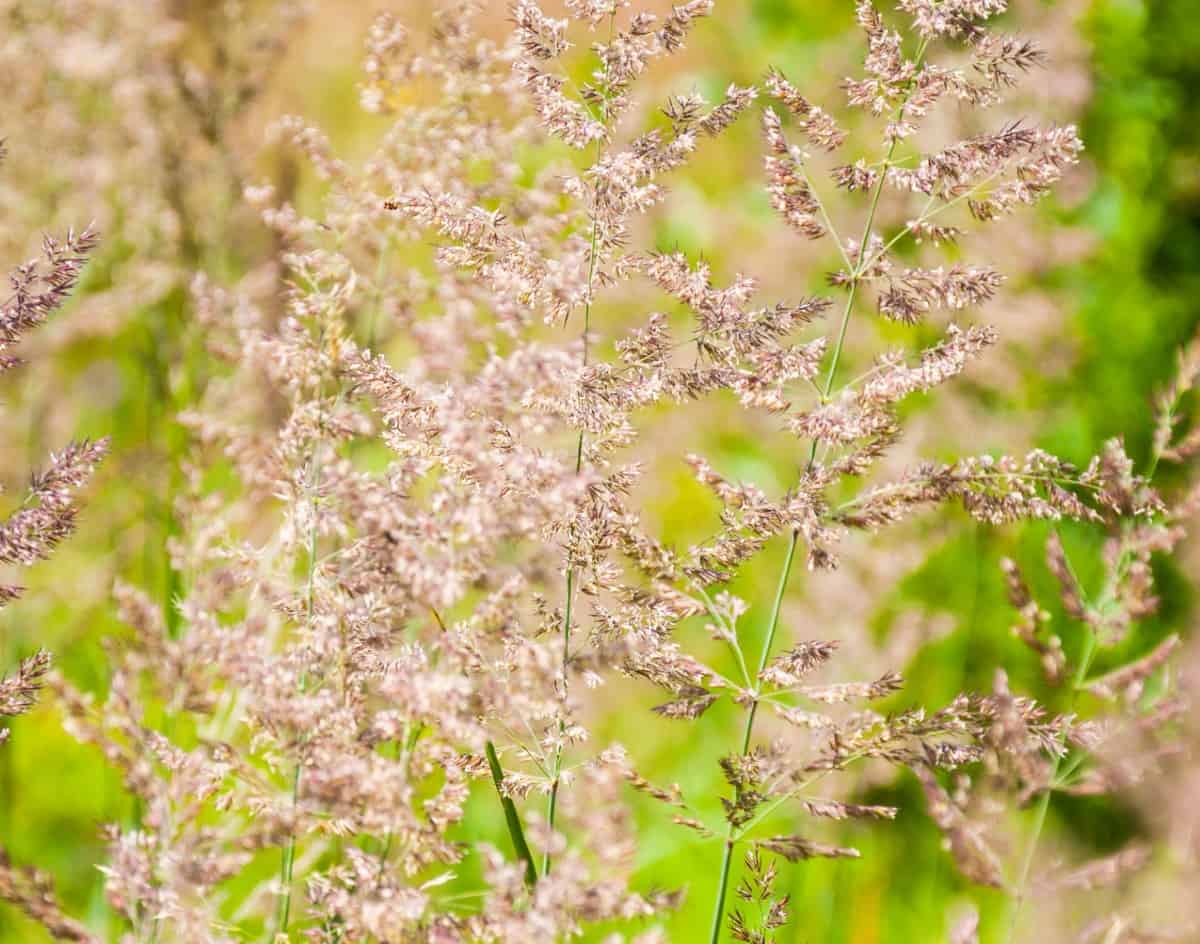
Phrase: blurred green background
(1108, 312)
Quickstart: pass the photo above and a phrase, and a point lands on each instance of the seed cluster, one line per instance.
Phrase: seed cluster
(415, 552)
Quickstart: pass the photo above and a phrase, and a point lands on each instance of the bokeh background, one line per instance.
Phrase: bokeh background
(108, 114)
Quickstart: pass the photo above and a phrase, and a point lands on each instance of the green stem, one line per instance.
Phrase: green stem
(1043, 805)
(927, 214)
(728, 630)
(898, 487)
(288, 861)
(1106, 599)
(722, 886)
(776, 610)
(856, 277)
(748, 732)
(377, 297)
(552, 802)
(830, 378)
(863, 262)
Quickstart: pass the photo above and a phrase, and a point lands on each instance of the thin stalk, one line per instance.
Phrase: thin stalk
(412, 734)
(855, 278)
(812, 188)
(731, 635)
(722, 885)
(863, 261)
(288, 861)
(927, 214)
(1043, 804)
(386, 850)
(1090, 643)
(381, 268)
(748, 732)
(773, 626)
(552, 801)
(781, 589)
(766, 812)
(975, 476)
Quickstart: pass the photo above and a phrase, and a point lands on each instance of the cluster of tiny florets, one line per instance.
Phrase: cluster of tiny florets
(431, 556)
(46, 516)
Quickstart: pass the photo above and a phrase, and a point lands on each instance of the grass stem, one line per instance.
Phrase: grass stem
(748, 732)
(781, 589)
(552, 802)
